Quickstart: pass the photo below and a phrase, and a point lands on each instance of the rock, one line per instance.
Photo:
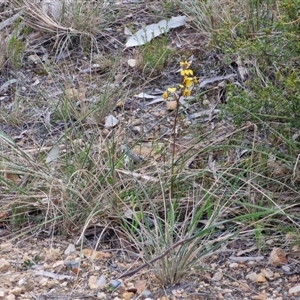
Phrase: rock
(171, 105)
(251, 276)
(146, 294)
(218, 276)
(294, 290)
(127, 295)
(260, 278)
(101, 295)
(16, 291)
(233, 265)
(93, 282)
(4, 265)
(10, 297)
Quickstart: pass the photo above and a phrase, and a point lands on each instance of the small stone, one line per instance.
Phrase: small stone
(2, 294)
(206, 103)
(218, 276)
(251, 276)
(146, 294)
(171, 105)
(43, 281)
(131, 62)
(187, 123)
(286, 269)
(10, 297)
(294, 290)
(105, 131)
(101, 295)
(226, 291)
(4, 265)
(6, 247)
(233, 265)
(115, 283)
(127, 295)
(93, 282)
(268, 273)
(16, 291)
(71, 248)
(260, 278)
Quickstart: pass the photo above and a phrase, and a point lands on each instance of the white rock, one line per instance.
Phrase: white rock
(295, 289)
(101, 295)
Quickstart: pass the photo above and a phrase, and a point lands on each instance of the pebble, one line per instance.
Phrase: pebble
(233, 265)
(146, 294)
(4, 265)
(294, 290)
(286, 268)
(101, 295)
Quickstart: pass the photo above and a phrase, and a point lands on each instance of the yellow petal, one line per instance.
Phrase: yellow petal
(184, 64)
(172, 90)
(186, 93)
(187, 81)
(165, 95)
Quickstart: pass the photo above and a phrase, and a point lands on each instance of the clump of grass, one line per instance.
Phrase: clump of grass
(154, 55)
(15, 46)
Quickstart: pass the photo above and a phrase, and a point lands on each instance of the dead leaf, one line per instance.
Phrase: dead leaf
(277, 257)
(260, 278)
(110, 121)
(261, 296)
(268, 273)
(149, 32)
(93, 254)
(52, 254)
(140, 286)
(71, 248)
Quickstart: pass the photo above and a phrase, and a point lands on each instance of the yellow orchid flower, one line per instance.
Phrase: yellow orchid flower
(172, 90)
(187, 81)
(186, 93)
(184, 65)
(165, 95)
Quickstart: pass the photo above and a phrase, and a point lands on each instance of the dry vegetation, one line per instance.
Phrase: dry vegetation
(171, 195)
